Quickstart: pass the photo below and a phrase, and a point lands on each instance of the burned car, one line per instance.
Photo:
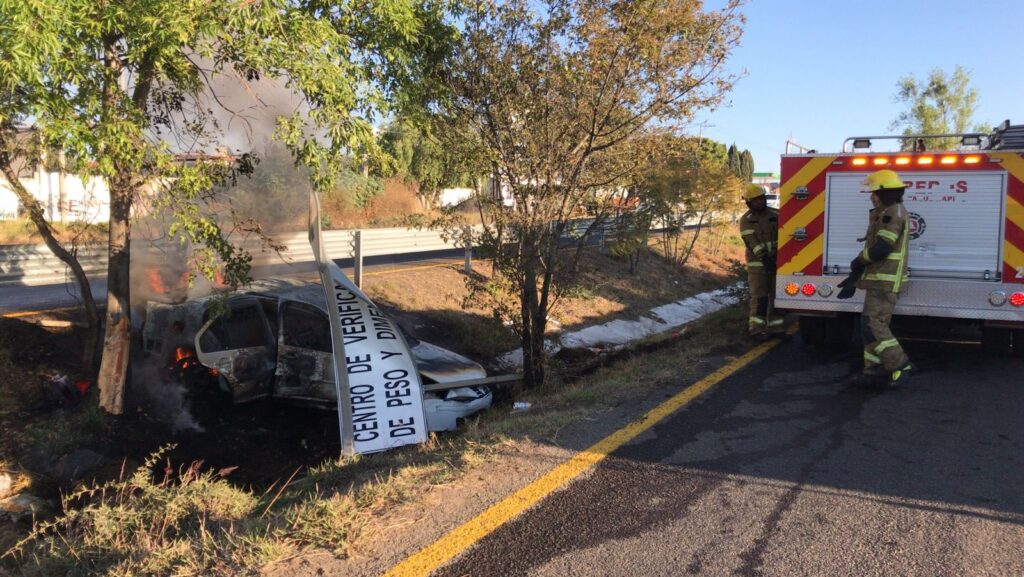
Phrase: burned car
(274, 340)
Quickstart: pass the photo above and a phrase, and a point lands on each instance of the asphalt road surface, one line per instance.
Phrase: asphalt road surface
(788, 468)
(19, 299)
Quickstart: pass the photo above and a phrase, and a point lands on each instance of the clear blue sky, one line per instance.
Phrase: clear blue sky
(825, 70)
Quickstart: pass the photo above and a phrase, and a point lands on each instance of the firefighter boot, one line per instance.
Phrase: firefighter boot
(901, 376)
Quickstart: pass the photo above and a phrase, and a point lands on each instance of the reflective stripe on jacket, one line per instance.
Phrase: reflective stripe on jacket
(760, 233)
(887, 223)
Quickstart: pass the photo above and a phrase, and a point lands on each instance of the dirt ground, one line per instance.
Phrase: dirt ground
(266, 442)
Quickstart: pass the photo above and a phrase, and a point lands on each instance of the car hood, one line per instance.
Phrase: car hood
(443, 366)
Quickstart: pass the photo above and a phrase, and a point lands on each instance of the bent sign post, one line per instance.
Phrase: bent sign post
(380, 395)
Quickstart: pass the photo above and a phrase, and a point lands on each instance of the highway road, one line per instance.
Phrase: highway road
(24, 299)
(786, 467)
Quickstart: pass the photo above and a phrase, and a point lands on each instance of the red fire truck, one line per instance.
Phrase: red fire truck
(966, 250)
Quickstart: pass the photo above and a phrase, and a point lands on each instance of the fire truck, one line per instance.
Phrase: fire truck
(966, 249)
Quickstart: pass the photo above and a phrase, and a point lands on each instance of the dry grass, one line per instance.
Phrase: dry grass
(164, 520)
(24, 232)
(433, 302)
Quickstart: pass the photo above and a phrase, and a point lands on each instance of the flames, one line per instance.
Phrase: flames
(185, 359)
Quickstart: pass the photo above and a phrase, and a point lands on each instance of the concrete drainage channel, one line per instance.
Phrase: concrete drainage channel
(615, 335)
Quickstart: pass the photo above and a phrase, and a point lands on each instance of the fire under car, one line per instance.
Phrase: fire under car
(274, 341)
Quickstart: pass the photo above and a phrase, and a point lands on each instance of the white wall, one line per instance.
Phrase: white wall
(84, 201)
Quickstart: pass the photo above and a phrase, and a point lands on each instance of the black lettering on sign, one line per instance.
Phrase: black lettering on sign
(381, 325)
(385, 355)
(395, 397)
(358, 364)
(364, 417)
(396, 379)
(402, 427)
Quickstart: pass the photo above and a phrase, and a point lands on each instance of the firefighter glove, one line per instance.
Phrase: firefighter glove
(768, 260)
(857, 265)
(848, 286)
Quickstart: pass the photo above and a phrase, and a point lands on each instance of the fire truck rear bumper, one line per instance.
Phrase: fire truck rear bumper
(941, 298)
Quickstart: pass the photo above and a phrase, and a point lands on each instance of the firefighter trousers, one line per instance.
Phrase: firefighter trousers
(762, 296)
(881, 349)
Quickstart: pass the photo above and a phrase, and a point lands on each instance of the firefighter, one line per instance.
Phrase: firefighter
(759, 228)
(880, 269)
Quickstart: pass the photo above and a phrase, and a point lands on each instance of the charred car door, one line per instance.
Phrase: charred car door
(305, 362)
(242, 346)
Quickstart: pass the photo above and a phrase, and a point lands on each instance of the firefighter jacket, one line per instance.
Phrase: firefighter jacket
(888, 273)
(760, 233)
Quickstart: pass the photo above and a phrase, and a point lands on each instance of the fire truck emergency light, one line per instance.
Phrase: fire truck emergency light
(792, 288)
(809, 290)
(860, 161)
(879, 161)
(972, 159)
(903, 160)
(948, 160)
(925, 160)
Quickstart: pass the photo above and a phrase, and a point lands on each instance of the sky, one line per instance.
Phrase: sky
(822, 71)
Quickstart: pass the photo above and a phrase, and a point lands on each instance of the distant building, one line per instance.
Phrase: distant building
(64, 197)
(769, 181)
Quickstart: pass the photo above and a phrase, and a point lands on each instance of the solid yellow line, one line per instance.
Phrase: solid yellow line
(29, 313)
(461, 538)
(392, 271)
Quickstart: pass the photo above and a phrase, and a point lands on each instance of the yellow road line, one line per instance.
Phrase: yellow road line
(461, 538)
(392, 271)
(30, 313)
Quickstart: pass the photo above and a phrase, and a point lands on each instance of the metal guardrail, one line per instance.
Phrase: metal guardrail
(32, 265)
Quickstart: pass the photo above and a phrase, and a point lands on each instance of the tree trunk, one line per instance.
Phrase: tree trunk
(117, 340)
(38, 218)
(533, 335)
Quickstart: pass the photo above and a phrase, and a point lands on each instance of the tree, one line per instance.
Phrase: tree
(938, 105)
(690, 185)
(740, 163)
(563, 97)
(422, 158)
(122, 87)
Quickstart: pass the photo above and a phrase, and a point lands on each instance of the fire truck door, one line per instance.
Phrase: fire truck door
(955, 220)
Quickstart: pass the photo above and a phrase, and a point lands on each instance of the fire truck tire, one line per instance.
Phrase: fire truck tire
(839, 330)
(997, 341)
(812, 330)
(1018, 343)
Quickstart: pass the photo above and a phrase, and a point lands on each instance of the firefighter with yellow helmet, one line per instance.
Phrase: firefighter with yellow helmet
(759, 228)
(880, 269)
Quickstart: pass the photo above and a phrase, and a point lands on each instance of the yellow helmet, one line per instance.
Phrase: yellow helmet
(883, 179)
(753, 191)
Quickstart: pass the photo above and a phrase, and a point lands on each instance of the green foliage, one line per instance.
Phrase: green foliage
(563, 97)
(124, 87)
(740, 163)
(940, 104)
(422, 158)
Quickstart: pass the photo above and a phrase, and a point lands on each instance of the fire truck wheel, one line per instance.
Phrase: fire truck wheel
(812, 330)
(997, 341)
(1018, 343)
(839, 330)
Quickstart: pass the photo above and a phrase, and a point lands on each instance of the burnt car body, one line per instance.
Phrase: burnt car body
(274, 340)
